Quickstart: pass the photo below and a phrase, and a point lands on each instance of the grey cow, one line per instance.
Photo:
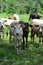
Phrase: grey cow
(17, 32)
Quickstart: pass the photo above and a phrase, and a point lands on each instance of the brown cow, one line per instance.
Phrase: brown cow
(10, 17)
(37, 27)
(14, 17)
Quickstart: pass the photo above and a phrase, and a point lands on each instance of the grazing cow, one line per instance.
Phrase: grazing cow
(17, 32)
(37, 27)
(34, 16)
(25, 32)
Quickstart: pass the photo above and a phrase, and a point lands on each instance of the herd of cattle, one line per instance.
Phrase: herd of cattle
(20, 30)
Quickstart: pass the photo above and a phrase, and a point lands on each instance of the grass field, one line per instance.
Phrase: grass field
(33, 55)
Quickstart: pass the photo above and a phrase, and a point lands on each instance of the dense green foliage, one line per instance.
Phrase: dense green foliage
(21, 6)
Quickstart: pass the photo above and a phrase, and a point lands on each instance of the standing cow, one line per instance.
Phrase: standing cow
(37, 28)
(25, 32)
(17, 32)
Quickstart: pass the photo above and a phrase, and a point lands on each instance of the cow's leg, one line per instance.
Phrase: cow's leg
(32, 37)
(16, 44)
(39, 39)
(17, 48)
(0, 34)
(20, 43)
(23, 43)
(3, 34)
(26, 42)
(10, 37)
(42, 40)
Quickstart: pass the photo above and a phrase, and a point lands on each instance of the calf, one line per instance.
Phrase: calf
(25, 32)
(17, 32)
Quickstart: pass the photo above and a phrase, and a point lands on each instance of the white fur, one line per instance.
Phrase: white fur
(17, 17)
(37, 21)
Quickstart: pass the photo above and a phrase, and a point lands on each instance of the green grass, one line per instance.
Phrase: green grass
(33, 55)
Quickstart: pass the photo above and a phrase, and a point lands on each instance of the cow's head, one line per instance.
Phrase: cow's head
(17, 30)
(34, 25)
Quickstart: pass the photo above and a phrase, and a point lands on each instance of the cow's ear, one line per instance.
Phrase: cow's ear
(23, 26)
(36, 25)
